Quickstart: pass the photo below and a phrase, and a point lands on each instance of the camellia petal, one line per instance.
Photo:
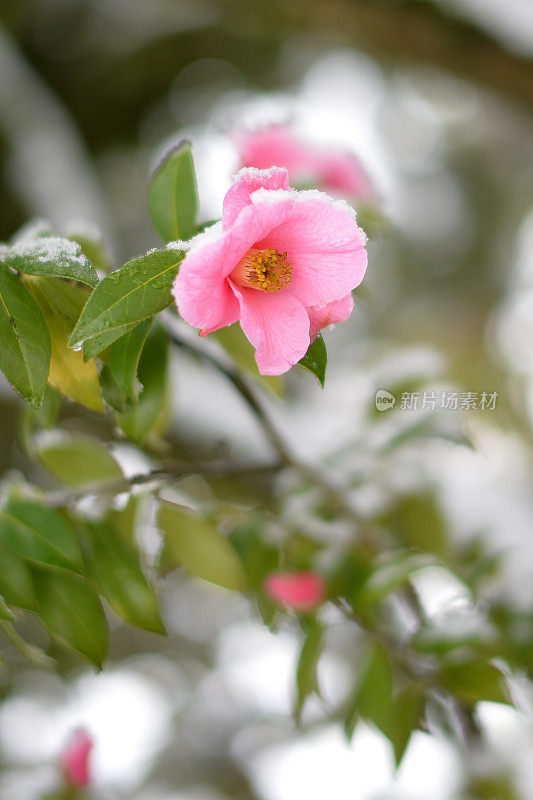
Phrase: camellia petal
(202, 294)
(277, 326)
(328, 314)
(245, 184)
(324, 246)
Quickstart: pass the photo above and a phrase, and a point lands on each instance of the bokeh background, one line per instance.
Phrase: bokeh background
(436, 98)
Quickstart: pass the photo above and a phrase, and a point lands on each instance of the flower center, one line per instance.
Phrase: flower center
(267, 270)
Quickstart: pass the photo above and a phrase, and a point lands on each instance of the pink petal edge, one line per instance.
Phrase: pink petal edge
(328, 314)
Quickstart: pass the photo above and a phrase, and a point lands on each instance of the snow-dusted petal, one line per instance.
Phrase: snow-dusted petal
(324, 244)
(245, 183)
(328, 314)
(277, 325)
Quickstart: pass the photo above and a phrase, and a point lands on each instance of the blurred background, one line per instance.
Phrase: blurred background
(436, 99)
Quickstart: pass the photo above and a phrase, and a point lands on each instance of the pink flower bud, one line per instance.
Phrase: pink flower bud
(74, 759)
(302, 591)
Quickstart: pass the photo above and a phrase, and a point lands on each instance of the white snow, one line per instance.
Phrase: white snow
(51, 249)
(303, 196)
(251, 173)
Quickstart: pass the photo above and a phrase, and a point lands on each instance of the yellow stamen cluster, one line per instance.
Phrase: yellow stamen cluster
(267, 270)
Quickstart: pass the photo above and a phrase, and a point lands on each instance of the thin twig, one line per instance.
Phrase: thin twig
(249, 394)
(168, 471)
(243, 387)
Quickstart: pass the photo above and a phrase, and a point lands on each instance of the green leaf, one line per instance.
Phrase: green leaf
(24, 339)
(16, 585)
(51, 257)
(371, 698)
(93, 346)
(76, 459)
(118, 376)
(142, 416)
(61, 303)
(418, 522)
(193, 542)
(72, 612)
(406, 714)
(306, 670)
(473, 680)
(124, 520)
(239, 348)
(38, 533)
(173, 195)
(259, 557)
(349, 575)
(316, 359)
(139, 289)
(113, 565)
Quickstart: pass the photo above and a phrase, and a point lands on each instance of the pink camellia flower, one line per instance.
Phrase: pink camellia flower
(281, 262)
(339, 173)
(74, 759)
(302, 591)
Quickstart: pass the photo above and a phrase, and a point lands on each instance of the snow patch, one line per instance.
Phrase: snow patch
(208, 235)
(51, 249)
(249, 174)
